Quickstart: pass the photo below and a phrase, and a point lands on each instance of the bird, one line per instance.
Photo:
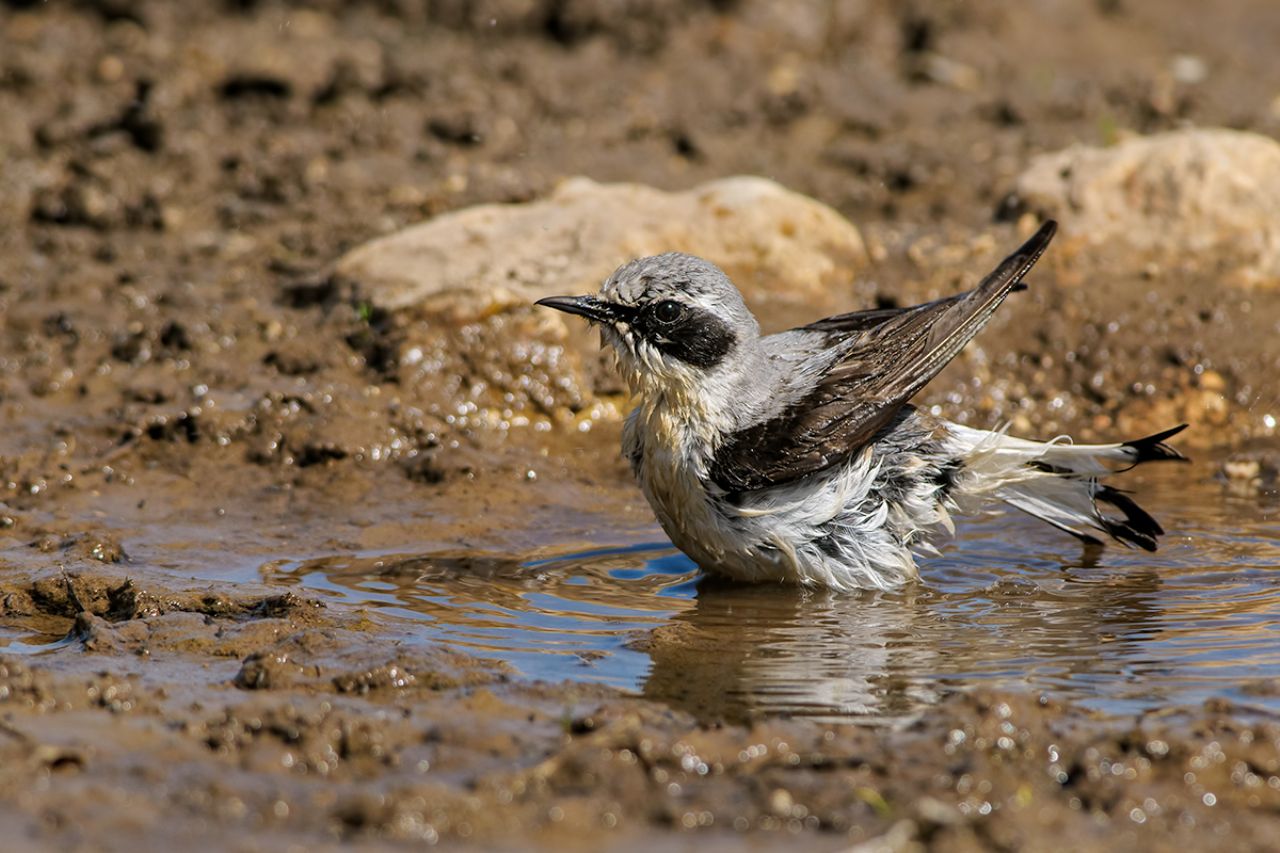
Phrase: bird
(798, 457)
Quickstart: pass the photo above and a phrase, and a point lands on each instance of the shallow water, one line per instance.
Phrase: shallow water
(1011, 603)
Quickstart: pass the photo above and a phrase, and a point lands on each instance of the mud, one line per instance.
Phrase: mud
(188, 394)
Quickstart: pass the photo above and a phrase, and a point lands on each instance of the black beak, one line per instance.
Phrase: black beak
(584, 306)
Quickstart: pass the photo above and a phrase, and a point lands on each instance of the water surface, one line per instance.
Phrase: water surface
(1011, 603)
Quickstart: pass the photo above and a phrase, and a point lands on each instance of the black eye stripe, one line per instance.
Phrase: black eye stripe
(696, 336)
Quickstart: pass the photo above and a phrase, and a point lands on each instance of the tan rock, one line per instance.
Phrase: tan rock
(1178, 195)
(776, 244)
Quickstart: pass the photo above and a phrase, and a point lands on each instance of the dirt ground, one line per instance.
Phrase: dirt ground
(185, 391)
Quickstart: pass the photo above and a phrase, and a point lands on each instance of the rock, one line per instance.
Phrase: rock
(474, 262)
(1252, 471)
(1180, 194)
(268, 670)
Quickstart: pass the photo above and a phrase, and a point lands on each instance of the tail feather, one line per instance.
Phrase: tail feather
(1153, 449)
(1058, 482)
(1137, 527)
(1058, 501)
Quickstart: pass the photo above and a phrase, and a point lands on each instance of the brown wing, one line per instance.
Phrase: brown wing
(888, 357)
(861, 321)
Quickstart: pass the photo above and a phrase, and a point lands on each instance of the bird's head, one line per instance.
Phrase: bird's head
(676, 323)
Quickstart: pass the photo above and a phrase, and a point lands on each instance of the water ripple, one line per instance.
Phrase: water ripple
(1012, 603)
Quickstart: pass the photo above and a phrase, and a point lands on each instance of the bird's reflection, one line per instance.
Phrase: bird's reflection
(746, 650)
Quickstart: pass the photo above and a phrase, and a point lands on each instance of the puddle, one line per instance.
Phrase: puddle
(1012, 603)
(574, 617)
(27, 643)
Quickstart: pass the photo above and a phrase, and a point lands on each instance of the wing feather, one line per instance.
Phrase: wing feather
(886, 356)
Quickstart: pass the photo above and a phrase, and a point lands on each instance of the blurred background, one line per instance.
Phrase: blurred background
(177, 182)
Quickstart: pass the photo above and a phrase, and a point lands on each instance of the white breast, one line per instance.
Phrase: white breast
(669, 461)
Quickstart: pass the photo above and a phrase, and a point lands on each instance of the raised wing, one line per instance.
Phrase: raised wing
(861, 321)
(887, 357)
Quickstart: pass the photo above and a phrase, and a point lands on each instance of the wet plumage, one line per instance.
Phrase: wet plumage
(797, 456)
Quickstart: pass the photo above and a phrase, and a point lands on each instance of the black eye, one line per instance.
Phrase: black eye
(668, 311)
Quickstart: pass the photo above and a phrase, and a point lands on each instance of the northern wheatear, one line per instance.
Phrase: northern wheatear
(797, 457)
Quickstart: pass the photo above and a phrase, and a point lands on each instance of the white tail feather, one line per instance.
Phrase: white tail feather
(1055, 481)
(1005, 451)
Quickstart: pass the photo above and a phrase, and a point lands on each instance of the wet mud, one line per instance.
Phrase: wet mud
(198, 418)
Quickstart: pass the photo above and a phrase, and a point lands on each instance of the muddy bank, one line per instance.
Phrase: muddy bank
(319, 737)
(189, 396)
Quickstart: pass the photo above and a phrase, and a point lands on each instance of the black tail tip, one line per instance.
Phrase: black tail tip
(1153, 449)
(1136, 528)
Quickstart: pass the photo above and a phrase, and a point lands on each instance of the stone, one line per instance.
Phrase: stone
(469, 264)
(1182, 196)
